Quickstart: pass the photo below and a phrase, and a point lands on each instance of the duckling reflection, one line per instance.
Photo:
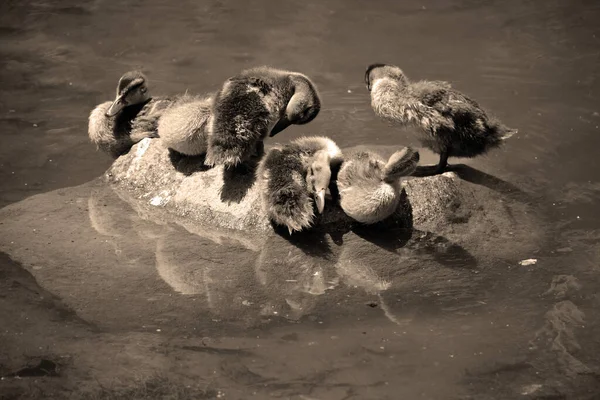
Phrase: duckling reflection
(255, 103)
(114, 127)
(452, 124)
(220, 276)
(294, 271)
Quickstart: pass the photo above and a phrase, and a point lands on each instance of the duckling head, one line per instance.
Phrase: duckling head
(318, 177)
(132, 89)
(303, 107)
(401, 163)
(379, 71)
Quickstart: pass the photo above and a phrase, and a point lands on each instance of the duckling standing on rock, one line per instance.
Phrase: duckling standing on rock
(369, 188)
(291, 174)
(258, 102)
(183, 127)
(116, 126)
(454, 125)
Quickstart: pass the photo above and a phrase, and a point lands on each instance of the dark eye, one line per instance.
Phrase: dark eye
(143, 90)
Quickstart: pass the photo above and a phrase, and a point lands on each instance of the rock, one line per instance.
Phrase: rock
(212, 197)
(445, 204)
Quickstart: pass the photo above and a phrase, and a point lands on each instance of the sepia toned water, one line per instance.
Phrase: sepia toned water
(299, 320)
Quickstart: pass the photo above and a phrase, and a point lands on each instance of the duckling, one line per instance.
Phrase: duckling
(369, 187)
(116, 126)
(453, 124)
(291, 174)
(183, 127)
(258, 102)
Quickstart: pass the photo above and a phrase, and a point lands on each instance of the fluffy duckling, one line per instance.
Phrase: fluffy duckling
(183, 127)
(369, 187)
(258, 102)
(116, 126)
(294, 175)
(453, 124)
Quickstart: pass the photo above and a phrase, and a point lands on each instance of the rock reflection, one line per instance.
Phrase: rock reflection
(117, 221)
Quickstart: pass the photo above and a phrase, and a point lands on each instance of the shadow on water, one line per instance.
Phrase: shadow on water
(436, 247)
(443, 251)
(390, 238)
(187, 165)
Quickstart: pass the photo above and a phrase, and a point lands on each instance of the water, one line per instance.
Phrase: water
(248, 321)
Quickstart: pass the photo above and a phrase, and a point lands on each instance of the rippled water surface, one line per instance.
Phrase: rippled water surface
(123, 297)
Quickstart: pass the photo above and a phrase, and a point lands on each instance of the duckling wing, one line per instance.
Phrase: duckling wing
(240, 120)
(412, 105)
(454, 107)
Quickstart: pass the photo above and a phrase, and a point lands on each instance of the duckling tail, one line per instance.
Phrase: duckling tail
(401, 163)
(508, 133)
(498, 131)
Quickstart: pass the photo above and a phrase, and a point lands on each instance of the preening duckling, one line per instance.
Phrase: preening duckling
(295, 175)
(453, 124)
(369, 188)
(183, 127)
(116, 126)
(258, 102)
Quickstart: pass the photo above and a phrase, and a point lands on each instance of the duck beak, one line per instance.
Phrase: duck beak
(279, 126)
(320, 200)
(115, 107)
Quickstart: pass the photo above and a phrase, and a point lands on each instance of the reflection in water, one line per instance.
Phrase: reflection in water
(249, 279)
(296, 270)
(117, 223)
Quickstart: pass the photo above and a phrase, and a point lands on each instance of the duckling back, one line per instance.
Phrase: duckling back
(183, 127)
(285, 197)
(364, 195)
(286, 187)
(240, 120)
(369, 187)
